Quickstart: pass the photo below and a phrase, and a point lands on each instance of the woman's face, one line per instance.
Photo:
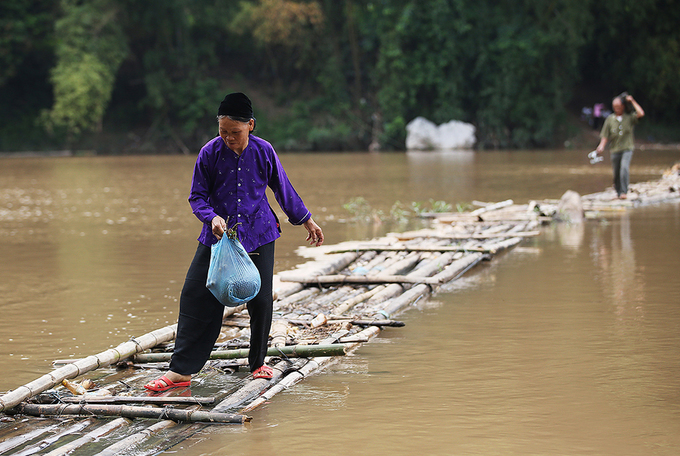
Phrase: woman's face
(235, 133)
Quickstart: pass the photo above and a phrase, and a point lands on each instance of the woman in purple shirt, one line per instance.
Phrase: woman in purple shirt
(230, 179)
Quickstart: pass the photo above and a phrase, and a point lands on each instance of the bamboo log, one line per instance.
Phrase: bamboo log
(295, 376)
(229, 311)
(357, 322)
(304, 294)
(89, 437)
(377, 279)
(427, 269)
(459, 267)
(290, 380)
(134, 439)
(347, 305)
(68, 431)
(492, 207)
(138, 400)
(401, 266)
(461, 237)
(300, 351)
(251, 389)
(506, 244)
(389, 248)
(396, 304)
(13, 442)
(127, 411)
(388, 292)
(279, 333)
(84, 365)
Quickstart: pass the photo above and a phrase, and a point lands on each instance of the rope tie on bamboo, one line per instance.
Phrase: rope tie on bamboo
(139, 347)
(164, 414)
(285, 357)
(82, 408)
(60, 410)
(385, 314)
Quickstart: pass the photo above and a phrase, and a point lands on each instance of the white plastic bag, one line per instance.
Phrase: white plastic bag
(232, 276)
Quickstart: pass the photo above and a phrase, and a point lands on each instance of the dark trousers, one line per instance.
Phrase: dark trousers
(621, 167)
(200, 314)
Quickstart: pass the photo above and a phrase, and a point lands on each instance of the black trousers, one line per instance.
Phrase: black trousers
(200, 314)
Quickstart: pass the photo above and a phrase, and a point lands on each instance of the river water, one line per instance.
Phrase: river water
(567, 344)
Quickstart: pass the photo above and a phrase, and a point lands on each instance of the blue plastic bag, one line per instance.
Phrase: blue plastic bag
(232, 276)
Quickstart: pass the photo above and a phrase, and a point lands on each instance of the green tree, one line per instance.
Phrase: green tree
(26, 56)
(636, 47)
(507, 67)
(90, 49)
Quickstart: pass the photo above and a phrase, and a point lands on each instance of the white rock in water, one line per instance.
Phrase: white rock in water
(421, 134)
(456, 135)
(570, 208)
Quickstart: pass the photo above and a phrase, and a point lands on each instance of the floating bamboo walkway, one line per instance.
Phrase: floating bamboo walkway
(324, 309)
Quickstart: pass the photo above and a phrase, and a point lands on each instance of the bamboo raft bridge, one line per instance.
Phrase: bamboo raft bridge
(324, 309)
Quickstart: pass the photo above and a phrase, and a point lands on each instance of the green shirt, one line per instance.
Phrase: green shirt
(619, 134)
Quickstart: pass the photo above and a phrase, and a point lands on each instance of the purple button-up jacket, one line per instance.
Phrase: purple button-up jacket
(234, 186)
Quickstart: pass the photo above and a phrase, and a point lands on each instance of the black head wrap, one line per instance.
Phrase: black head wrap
(236, 105)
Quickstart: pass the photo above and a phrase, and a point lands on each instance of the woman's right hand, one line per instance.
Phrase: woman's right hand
(219, 226)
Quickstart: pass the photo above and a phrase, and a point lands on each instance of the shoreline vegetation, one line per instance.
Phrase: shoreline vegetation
(123, 77)
(580, 137)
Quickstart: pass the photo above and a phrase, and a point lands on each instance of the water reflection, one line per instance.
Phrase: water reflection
(614, 255)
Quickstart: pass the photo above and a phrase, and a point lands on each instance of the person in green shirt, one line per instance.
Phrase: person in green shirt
(617, 132)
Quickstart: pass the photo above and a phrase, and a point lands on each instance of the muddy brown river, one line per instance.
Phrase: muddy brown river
(568, 344)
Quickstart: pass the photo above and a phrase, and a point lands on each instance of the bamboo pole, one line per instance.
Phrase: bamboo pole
(347, 305)
(251, 389)
(301, 351)
(138, 400)
(377, 279)
(127, 411)
(396, 304)
(458, 267)
(401, 266)
(462, 237)
(311, 366)
(124, 445)
(357, 322)
(13, 442)
(389, 248)
(492, 207)
(84, 365)
(68, 431)
(89, 437)
(229, 311)
(279, 333)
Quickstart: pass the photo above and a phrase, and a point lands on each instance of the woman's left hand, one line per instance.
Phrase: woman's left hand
(315, 235)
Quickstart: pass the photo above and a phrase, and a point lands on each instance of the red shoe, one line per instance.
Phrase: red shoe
(263, 372)
(164, 384)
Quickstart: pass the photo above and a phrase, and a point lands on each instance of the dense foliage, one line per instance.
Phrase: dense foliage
(129, 76)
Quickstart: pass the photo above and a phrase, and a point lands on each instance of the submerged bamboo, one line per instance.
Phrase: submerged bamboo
(125, 444)
(89, 437)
